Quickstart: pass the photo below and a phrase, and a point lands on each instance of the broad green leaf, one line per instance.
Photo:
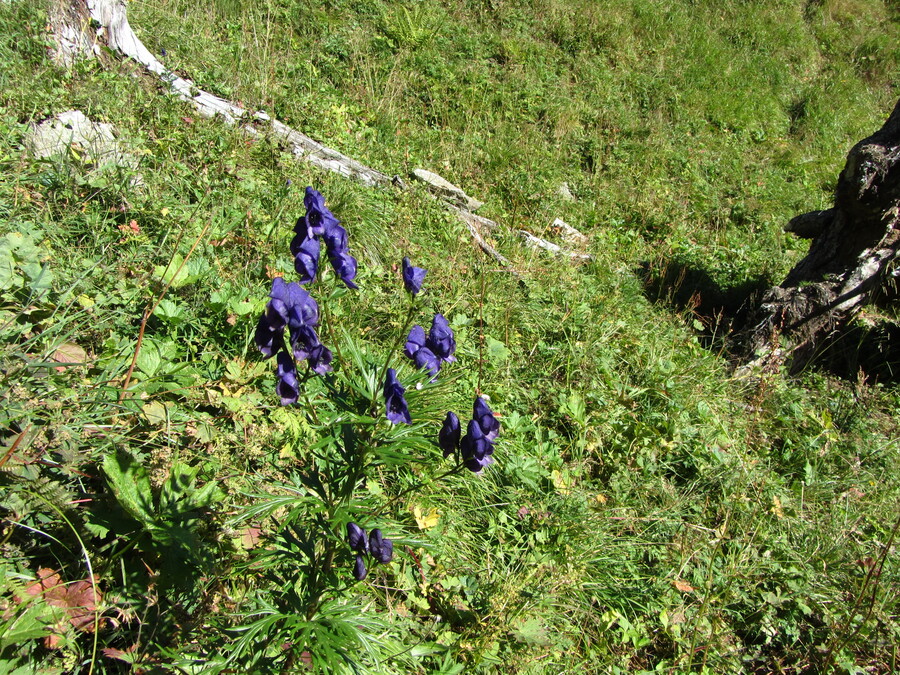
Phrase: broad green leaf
(131, 486)
(497, 351)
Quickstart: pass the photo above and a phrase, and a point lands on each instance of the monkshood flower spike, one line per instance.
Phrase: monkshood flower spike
(413, 277)
(320, 224)
(395, 404)
(291, 306)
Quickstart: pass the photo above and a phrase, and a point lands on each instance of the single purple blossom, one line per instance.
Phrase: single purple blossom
(359, 569)
(475, 448)
(356, 537)
(440, 339)
(335, 238)
(319, 359)
(426, 359)
(306, 258)
(395, 404)
(267, 340)
(303, 341)
(318, 218)
(382, 549)
(482, 414)
(448, 438)
(302, 309)
(288, 386)
(344, 266)
(413, 277)
(414, 341)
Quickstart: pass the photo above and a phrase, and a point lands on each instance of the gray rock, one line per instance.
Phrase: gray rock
(95, 142)
(564, 192)
(444, 188)
(569, 234)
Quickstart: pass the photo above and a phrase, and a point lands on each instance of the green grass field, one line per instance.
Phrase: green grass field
(646, 511)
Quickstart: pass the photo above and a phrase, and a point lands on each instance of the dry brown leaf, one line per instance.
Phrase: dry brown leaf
(683, 586)
(78, 599)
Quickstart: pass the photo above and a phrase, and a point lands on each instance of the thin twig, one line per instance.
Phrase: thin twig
(152, 308)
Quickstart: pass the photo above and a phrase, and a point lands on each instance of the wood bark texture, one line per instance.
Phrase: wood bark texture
(851, 257)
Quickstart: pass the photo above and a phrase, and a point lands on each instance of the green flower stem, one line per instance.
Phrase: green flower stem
(387, 362)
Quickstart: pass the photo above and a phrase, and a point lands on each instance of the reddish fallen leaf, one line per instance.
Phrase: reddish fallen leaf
(78, 599)
(683, 586)
(69, 352)
(250, 537)
(126, 655)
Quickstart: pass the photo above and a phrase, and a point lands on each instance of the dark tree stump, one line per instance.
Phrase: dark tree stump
(850, 259)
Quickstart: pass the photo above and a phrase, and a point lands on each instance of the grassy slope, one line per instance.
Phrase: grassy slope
(645, 509)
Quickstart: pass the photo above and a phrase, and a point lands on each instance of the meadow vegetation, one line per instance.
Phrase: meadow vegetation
(647, 511)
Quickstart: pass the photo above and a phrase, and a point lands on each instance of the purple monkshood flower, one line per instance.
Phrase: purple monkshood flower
(448, 438)
(359, 569)
(475, 448)
(317, 217)
(426, 359)
(288, 386)
(415, 341)
(413, 276)
(303, 341)
(440, 339)
(306, 258)
(395, 404)
(356, 537)
(335, 237)
(489, 424)
(320, 223)
(381, 549)
(376, 545)
(292, 306)
(319, 359)
(344, 266)
(267, 340)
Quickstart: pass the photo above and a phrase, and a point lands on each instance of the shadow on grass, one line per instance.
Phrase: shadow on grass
(869, 347)
(716, 310)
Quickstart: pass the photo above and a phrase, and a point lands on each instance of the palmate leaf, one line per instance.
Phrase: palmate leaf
(179, 495)
(130, 484)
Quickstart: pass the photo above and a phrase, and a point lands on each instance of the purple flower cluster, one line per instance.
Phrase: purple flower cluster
(320, 224)
(292, 306)
(477, 446)
(376, 545)
(429, 352)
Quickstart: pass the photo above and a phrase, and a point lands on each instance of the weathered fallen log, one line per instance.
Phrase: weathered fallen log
(850, 260)
(80, 24)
